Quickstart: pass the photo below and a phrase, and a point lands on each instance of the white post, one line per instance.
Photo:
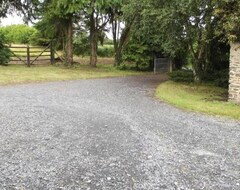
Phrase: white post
(234, 74)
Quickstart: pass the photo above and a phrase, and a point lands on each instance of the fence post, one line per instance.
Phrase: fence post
(154, 65)
(52, 53)
(171, 66)
(28, 56)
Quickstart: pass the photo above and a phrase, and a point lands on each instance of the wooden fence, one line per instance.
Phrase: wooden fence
(31, 54)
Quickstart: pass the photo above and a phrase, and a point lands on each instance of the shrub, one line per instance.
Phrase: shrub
(82, 47)
(218, 78)
(182, 76)
(81, 44)
(5, 52)
(127, 66)
(106, 51)
(222, 78)
(38, 39)
(17, 33)
(138, 54)
(108, 41)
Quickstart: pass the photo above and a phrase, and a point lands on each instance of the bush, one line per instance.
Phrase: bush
(218, 78)
(222, 78)
(5, 52)
(122, 67)
(106, 51)
(139, 54)
(82, 47)
(38, 39)
(81, 44)
(17, 33)
(108, 41)
(182, 76)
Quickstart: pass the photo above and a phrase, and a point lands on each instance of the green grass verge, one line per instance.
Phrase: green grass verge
(198, 97)
(15, 74)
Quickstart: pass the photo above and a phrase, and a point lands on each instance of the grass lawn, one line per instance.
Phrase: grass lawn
(16, 74)
(198, 97)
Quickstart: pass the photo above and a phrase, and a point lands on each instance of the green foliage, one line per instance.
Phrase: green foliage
(138, 53)
(188, 31)
(24, 6)
(133, 54)
(222, 78)
(218, 78)
(105, 51)
(182, 76)
(50, 28)
(64, 8)
(18, 33)
(81, 44)
(4, 51)
(38, 39)
(82, 47)
(108, 41)
(228, 14)
(184, 30)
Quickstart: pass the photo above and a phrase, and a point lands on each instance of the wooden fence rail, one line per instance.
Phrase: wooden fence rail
(25, 55)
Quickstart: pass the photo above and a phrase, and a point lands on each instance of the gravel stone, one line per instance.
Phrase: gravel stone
(80, 134)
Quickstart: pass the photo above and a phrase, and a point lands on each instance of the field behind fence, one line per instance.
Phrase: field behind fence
(36, 55)
(29, 55)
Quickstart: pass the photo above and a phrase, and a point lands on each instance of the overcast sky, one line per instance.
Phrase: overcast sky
(11, 19)
(15, 19)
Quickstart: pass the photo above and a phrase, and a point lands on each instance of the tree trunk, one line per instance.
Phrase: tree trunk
(118, 57)
(93, 57)
(115, 30)
(93, 41)
(119, 44)
(197, 62)
(69, 43)
(196, 71)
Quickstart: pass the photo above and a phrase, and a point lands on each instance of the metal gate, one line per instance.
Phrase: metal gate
(162, 65)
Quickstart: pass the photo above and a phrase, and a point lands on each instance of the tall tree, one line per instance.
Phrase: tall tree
(177, 23)
(116, 19)
(97, 19)
(26, 7)
(228, 13)
(63, 11)
(123, 16)
(7, 5)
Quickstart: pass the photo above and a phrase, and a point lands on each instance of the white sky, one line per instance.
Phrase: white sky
(10, 20)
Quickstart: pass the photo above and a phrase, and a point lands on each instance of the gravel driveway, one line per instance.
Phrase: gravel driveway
(111, 134)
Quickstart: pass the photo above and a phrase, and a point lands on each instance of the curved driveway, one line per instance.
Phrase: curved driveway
(111, 134)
